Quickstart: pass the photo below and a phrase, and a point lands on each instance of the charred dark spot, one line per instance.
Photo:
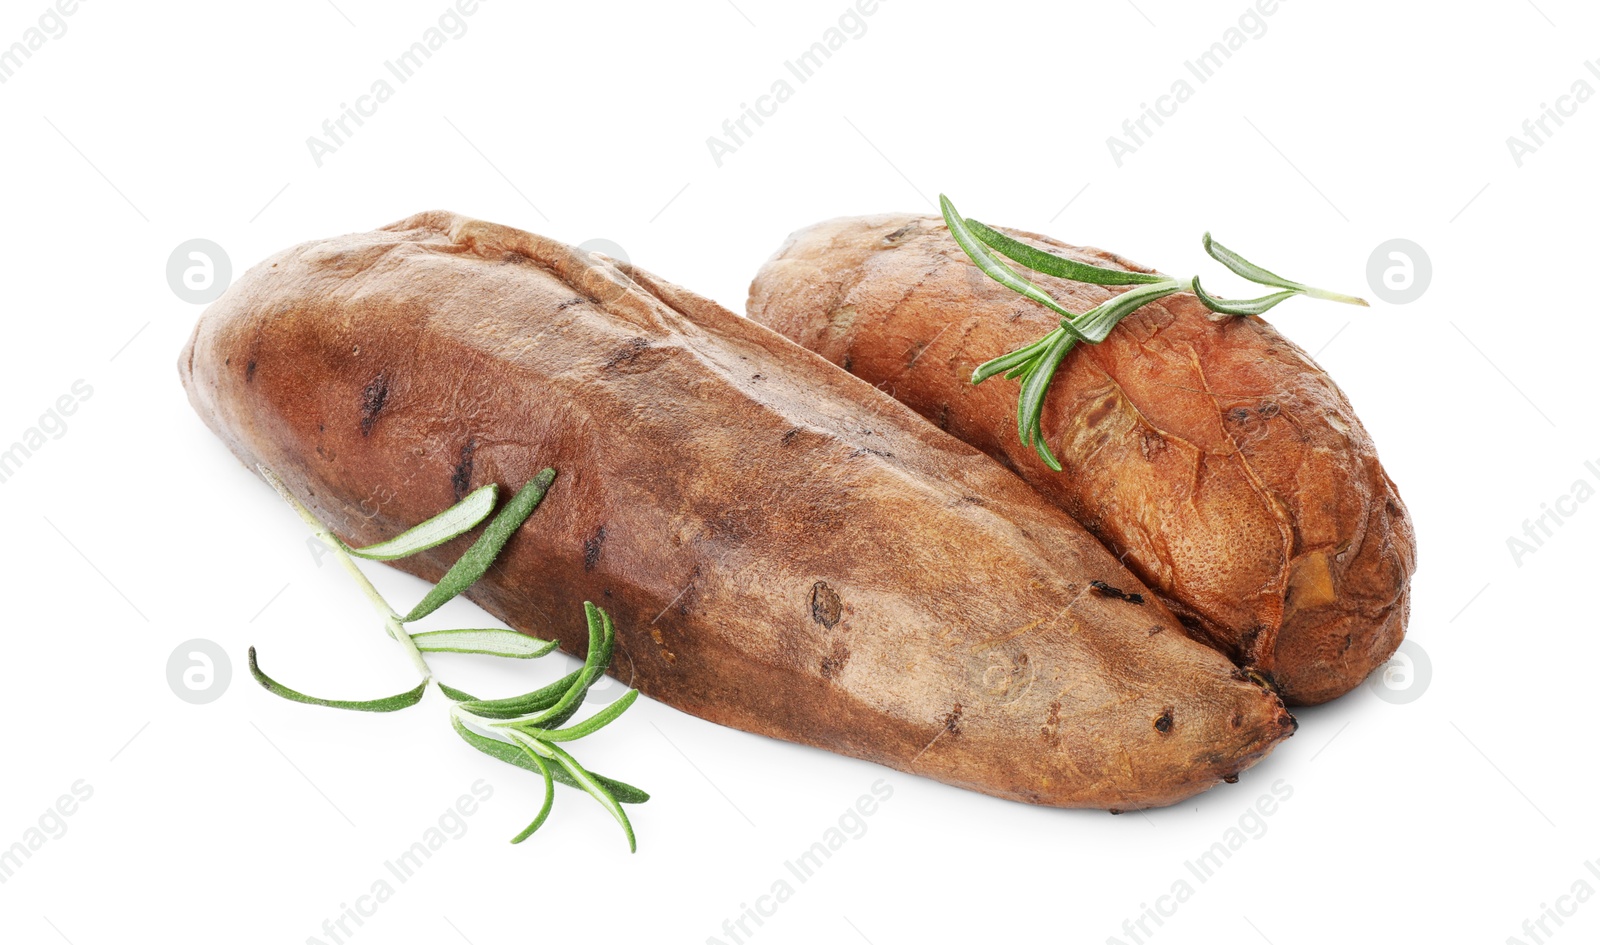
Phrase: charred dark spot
(1047, 731)
(1391, 508)
(1113, 811)
(1348, 642)
(833, 663)
(461, 477)
(1115, 593)
(755, 377)
(1239, 415)
(1262, 679)
(1289, 722)
(788, 436)
(1052, 723)
(865, 450)
(1231, 778)
(901, 233)
(250, 371)
(1154, 629)
(373, 397)
(1164, 722)
(1236, 720)
(944, 416)
(628, 352)
(1101, 411)
(846, 363)
(1267, 409)
(826, 608)
(571, 302)
(952, 720)
(227, 361)
(1247, 640)
(592, 547)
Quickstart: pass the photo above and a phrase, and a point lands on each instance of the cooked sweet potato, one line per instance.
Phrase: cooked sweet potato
(1208, 453)
(784, 549)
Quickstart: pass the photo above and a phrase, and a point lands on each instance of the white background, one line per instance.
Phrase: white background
(1452, 817)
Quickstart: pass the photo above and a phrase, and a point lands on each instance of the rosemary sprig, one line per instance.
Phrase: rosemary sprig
(1035, 365)
(522, 730)
(534, 728)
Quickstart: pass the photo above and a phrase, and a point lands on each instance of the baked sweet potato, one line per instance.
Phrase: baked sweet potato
(784, 549)
(1207, 452)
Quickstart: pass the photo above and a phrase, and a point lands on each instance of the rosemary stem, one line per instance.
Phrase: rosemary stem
(481, 725)
(1325, 295)
(391, 620)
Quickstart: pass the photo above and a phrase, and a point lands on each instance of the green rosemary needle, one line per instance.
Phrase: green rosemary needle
(521, 730)
(1035, 365)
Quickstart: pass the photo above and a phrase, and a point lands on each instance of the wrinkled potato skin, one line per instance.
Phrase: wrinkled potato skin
(783, 549)
(1209, 453)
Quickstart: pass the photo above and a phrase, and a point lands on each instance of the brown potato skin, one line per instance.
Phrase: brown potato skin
(783, 549)
(1209, 453)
